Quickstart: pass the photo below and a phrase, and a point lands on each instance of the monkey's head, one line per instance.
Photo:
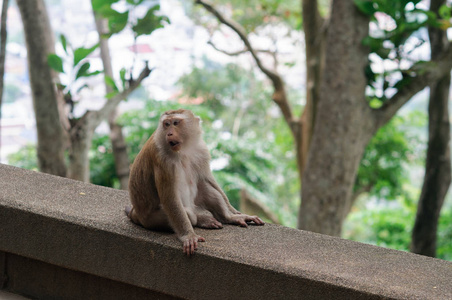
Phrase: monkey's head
(179, 128)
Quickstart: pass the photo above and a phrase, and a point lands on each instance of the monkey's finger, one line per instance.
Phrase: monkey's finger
(256, 220)
(188, 247)
(201, 239)
(193, 246)
(218, 225)
(243, 223)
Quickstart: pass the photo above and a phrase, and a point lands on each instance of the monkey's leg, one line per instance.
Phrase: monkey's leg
(213, 183)
(213, 200)
(205, 219)
(154, 220)
(210, 199)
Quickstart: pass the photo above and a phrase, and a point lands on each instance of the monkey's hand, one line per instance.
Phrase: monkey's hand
(243, 220)
(190, 241)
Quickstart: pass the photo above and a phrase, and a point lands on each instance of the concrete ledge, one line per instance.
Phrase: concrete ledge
(69, 231)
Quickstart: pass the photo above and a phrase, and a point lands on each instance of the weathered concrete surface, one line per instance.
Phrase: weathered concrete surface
(82, 227)
(9, 296)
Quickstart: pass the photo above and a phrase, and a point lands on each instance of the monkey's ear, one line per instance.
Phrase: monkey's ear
(198, 119)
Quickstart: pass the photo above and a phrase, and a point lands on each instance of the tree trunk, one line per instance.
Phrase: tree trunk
(116, 137)
(314, 28)
(3, 36)
(438, 163)
(38, 37)
(342, 127)
(81, 140)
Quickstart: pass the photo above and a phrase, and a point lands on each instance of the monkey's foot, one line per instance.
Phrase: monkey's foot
(208, 222)
(128, 210)
(243, 220)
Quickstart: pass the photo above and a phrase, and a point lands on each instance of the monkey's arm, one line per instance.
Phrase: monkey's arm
(177, 216)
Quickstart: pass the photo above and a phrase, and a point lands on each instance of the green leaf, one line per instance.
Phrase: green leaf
(403, 82)
(93, 73)
(99, 5)
(383, 52)
(109, 81)
(445, 12)
(149, 22)
(375, 103)
(81, 53)
(116, 20)
(122, 75)
(81, 88)
(83, 70)
(374, 44)
(365, 6)
(135, 2)
(55, 62)
(111, 94)
(63, 42)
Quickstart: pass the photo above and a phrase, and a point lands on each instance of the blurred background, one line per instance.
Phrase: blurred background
(320, 115)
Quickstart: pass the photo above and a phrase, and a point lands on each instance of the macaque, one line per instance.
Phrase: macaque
(171, 186)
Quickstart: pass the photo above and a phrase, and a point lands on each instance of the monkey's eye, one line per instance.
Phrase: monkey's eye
(166, 124)
(176, 122)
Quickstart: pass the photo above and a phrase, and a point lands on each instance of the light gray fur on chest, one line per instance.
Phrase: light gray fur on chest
(187, 183)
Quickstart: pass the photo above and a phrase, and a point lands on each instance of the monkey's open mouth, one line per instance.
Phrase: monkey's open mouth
(174, 145)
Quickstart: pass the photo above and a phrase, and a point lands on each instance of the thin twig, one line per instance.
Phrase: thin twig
(236, 53)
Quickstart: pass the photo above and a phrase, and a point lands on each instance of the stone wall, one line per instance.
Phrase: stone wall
(65, 239)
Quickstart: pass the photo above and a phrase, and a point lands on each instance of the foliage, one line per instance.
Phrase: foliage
(382, 171)
(25, 158)
(444, 247)
(389, 225)
(254, 15)
(76, 59)
(102, 162)
(118, 20)
(397, 31)
(79, 67)
(238, 98)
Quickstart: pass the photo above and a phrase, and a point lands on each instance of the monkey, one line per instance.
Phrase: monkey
(171, 186)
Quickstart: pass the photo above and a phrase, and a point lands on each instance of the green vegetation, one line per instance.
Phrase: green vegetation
(389, 224)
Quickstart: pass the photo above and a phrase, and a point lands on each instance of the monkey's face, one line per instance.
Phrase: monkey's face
(180, 128)
(174, 132)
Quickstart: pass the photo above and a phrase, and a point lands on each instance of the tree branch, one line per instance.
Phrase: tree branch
(237, 52)
(111, 104)
(431, 73)
(279, 95)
